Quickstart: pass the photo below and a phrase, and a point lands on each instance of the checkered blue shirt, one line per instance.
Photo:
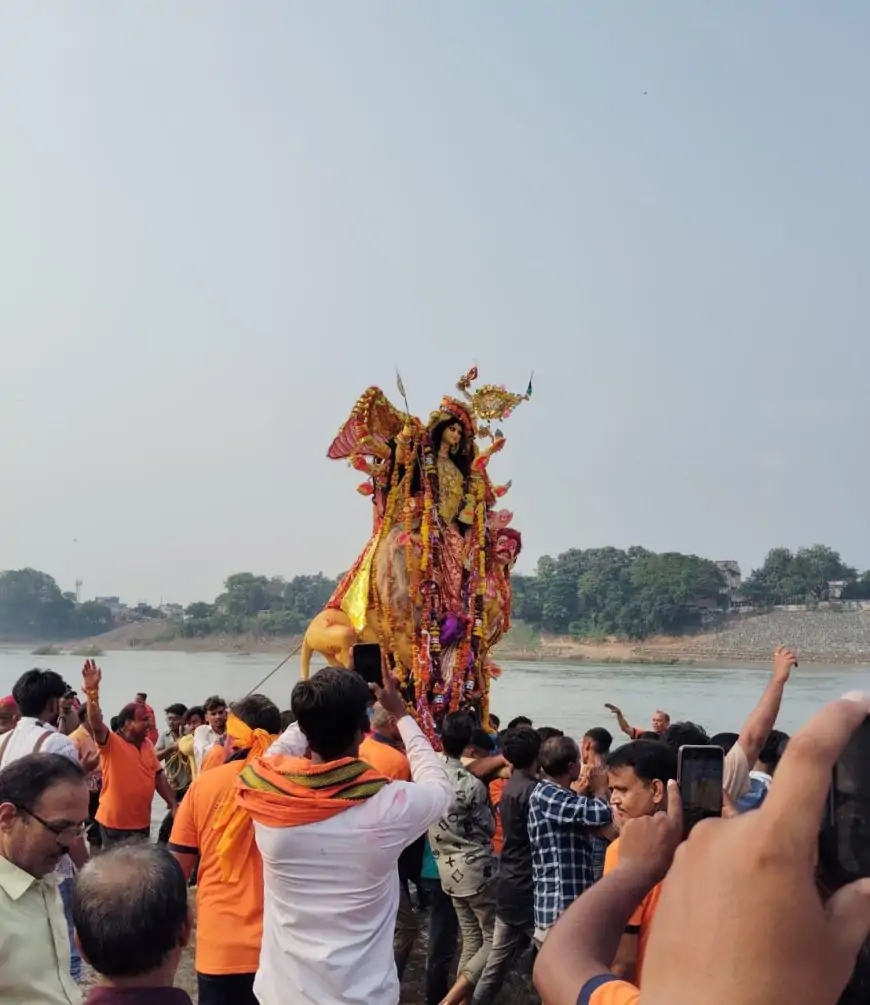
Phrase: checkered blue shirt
(566, 857)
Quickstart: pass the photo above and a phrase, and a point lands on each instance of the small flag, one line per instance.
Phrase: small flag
(529, 388)
(400, 385)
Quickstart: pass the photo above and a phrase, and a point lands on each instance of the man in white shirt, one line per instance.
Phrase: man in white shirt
(43, 811)
(215, 730)
(330, 832)
(38, 695)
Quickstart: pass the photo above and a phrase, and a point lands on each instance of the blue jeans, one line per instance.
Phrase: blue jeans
(66, 894)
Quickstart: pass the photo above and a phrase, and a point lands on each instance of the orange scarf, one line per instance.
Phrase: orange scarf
(291, 791)
(237, 838)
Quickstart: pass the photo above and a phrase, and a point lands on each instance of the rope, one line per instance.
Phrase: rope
(290, 656)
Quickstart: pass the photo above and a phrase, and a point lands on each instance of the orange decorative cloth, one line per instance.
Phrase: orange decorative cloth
(291, 791)
(238, 832)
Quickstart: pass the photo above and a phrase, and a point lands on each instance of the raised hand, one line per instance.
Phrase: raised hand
(651, 842)
(784, 659)
(613, 708)
(91, 676)
(389, 697)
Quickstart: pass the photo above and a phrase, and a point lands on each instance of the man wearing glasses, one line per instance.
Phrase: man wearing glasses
(43, 811)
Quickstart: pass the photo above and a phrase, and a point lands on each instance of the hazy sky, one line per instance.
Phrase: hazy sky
(220, 222)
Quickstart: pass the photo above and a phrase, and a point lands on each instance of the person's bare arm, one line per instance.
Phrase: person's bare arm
(186, 859)
(165, 792)
(620, 718)
(488, 768)
(163, 753)
(91, 678)
(584, 941)
(762, 719)
(625, 962)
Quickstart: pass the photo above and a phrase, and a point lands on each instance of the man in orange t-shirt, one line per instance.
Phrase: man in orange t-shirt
(229, 893)
(131, 771)
(382, 748)
(637, 774)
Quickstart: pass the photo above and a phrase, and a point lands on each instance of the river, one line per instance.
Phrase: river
(570, 696)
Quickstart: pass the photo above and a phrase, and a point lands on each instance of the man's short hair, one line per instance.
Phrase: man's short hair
(142, 695)
(648, 734)
(601, 739)
(548, 732)
(24, 781)
(481, 740)
(288, 717)
(194, 710)
(724, 740)
(557, 755)
(686, 734)
(128, 714)
(456, 732)
(649, 759)
(520, 720)
(330, 708)
(664, 715)
(258, 712)
(773, 749)
(130, 909)
(521, 747)
(494, 721)
(35, 689)
(176, 709)
(213, 703)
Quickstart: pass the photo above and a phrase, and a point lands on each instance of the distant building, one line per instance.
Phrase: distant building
(835, 588)
(731, 574)
(113, 603)
(175, 612)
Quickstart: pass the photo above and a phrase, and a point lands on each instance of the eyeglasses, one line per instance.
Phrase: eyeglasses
(73, 831)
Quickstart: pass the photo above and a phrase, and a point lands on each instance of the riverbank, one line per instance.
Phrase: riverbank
(828, 637)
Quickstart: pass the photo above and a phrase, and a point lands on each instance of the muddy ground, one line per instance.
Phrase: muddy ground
(516, 991)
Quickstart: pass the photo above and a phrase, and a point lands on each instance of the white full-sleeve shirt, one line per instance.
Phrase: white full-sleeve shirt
(332, 887)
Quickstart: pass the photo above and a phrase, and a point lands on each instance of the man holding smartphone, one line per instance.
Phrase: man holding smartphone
(637, 774)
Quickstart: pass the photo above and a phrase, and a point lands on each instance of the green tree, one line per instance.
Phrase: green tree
(32, 606)
(200, 611)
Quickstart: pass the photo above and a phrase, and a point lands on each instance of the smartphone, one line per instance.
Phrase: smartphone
(700, 772)
(844, 843)
(368, 662)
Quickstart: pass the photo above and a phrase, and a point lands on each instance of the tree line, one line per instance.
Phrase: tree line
(592, 592)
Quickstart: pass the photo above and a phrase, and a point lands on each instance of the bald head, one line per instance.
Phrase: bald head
(130, 911)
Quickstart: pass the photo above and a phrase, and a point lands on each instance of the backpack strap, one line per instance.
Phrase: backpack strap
(4, 745)
(42, 738)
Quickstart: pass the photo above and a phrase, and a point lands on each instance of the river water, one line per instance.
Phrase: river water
(570, 696)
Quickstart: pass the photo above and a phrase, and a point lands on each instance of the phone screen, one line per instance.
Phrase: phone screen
(845, 841)
(368, 663)
(699, 774)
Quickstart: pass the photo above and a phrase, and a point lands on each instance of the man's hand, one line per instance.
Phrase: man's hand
(92, 675)
(389, 697)
(650, 843)
(613, 708)
(764, 862)
(784, 659)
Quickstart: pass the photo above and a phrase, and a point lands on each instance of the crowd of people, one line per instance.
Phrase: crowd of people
(314, 845)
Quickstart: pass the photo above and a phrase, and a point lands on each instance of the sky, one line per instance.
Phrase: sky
(220, 223)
